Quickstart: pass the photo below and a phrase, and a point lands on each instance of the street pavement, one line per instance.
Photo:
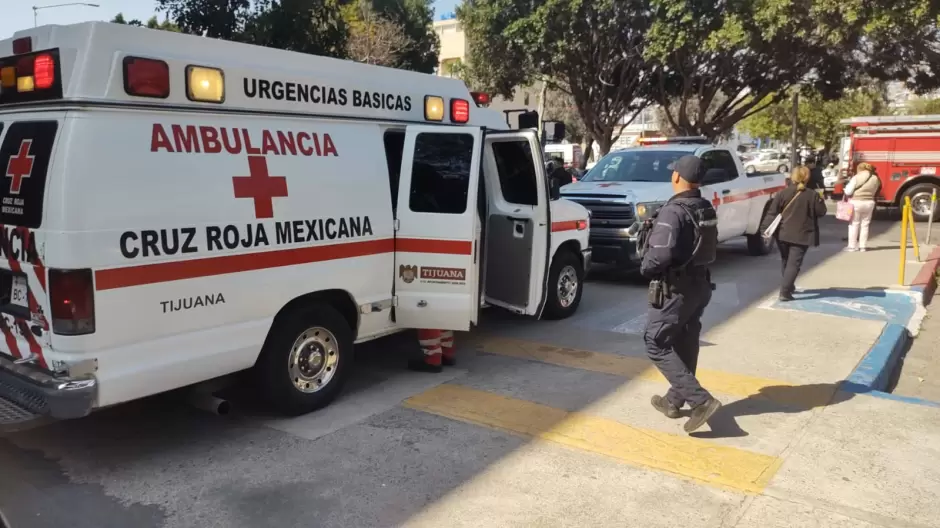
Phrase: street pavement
(541, 424)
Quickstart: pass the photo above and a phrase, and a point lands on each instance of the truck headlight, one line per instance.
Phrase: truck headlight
(646, 210)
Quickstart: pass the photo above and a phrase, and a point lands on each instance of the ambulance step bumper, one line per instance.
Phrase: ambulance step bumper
(29, 394)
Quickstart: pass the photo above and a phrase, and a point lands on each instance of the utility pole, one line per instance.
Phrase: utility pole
(794, 134)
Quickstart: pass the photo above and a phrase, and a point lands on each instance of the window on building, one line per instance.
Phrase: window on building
(440, 176)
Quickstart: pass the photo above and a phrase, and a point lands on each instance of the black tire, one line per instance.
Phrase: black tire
(758, 246)
(273, 370)
(557, 307)
(783, 169)
(920, 195)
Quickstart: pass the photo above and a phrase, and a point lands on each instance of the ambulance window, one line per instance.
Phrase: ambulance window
(440, 176)
(25, 154)
(394, 147)
(516, 169)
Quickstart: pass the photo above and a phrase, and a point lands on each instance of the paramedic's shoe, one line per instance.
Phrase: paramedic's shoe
(702, 414)
(420, 365)
(662, 405)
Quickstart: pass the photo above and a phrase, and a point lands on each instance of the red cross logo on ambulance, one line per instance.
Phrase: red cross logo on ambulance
(20, 166)
(259, 184)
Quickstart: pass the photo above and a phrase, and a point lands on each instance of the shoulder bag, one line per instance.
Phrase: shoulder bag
(772, 228)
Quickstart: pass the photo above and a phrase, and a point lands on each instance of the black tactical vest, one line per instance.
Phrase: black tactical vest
(704, 220)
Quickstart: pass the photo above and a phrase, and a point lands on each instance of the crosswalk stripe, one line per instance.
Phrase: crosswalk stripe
(640, 368)
(687, 457)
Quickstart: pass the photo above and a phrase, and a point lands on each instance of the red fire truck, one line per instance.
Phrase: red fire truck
(905, 151)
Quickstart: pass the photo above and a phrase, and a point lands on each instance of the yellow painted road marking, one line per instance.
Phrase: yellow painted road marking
(687, 457)
(809, 396)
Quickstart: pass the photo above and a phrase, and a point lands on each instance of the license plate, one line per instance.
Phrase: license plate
(19, 292)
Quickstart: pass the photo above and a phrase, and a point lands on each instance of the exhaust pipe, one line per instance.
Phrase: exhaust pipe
(205, 401)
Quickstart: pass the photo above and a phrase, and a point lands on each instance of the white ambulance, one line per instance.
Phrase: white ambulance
(177, 208)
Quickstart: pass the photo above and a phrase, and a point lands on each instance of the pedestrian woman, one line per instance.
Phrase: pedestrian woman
(862, 189)
(799, 209)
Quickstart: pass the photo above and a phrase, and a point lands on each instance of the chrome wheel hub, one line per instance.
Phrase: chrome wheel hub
(567, 286)
(313, 359)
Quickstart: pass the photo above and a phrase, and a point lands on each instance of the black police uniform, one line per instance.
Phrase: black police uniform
(680, 246)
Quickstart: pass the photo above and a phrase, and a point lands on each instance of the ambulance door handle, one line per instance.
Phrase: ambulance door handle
(422, 304)
(518, 229)
(726, 191)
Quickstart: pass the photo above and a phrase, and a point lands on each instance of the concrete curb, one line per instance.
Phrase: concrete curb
(926, 280)
(873, 373)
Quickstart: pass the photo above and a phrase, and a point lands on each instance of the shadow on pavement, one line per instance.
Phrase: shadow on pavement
(798, 398)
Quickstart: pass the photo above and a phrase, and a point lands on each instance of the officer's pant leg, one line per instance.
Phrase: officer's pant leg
(663, 328)
(688, 343)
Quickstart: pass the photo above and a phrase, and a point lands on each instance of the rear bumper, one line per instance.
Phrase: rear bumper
(40, 393)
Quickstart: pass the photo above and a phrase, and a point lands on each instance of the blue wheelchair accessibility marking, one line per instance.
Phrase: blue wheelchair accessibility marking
(872, 305)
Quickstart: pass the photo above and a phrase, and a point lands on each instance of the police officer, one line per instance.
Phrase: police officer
(678, 249)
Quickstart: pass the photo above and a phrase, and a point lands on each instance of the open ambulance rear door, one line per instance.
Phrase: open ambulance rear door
(435, 248)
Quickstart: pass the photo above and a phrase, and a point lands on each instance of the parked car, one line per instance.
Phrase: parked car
(768, 162)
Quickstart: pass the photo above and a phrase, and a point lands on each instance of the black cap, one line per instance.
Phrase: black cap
(690, 169)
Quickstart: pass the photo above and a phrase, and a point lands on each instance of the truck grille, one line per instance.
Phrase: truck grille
(609, 214)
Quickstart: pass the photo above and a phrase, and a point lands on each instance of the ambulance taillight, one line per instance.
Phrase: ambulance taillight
(72, 301)
(146, 77)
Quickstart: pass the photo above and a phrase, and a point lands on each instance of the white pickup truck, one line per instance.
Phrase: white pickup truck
(629, 185)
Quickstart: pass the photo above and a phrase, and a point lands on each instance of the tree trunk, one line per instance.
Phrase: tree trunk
(587, 151)
(605, 143)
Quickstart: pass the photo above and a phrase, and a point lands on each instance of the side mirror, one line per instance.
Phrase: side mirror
(554, 131)
(557, 179)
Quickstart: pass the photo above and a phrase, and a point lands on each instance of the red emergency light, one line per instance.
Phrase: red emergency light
(146, 77)
(22, 45)
(480, 98)
(459, 111)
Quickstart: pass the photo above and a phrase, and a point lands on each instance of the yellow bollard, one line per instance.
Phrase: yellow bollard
(903, 264)
(910, 222)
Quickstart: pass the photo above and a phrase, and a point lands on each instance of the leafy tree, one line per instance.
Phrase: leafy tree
(819, 118)
(307, 26)
(223, 19)
(415, 18)
(721, 62)
(923, 106)
(591, 50)
(373, 39)
(152, 23)
(559, 106)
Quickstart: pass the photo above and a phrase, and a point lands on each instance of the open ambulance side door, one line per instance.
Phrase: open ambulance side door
(435, 246)
(518, 232)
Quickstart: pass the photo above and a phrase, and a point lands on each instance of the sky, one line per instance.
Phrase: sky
(18, 14)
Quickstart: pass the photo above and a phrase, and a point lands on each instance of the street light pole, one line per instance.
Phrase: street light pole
(37, 8)
(794, 134)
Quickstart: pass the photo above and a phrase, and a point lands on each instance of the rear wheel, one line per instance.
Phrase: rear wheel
(920, 201)
(305, 360)
(750, 169)
(783, 168)
(566, 284)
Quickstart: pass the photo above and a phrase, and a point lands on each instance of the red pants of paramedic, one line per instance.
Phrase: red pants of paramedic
(437, 346)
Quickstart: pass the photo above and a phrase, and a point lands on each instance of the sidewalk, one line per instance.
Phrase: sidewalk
(788, 449)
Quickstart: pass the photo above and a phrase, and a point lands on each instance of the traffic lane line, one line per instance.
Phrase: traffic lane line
(630, 367)
(683, 456)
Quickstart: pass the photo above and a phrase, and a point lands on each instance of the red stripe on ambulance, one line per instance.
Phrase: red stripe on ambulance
(110, 279)
(9, 337)
(216, 140)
